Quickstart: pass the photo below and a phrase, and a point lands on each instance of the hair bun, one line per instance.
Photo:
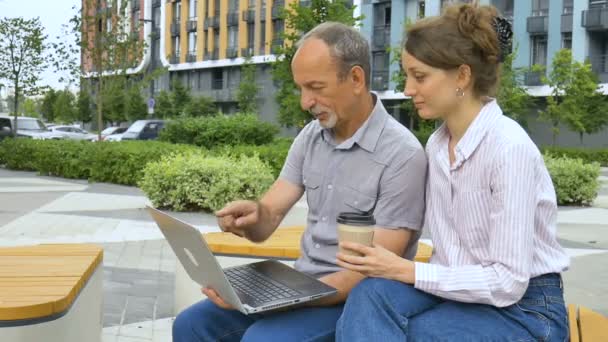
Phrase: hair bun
(468, 19)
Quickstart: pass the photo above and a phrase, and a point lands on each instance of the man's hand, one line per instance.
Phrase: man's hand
(215, 298)
(238, 217)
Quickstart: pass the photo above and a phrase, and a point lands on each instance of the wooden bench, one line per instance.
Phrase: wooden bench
(51, 293)
(231, 250)
(586, 325)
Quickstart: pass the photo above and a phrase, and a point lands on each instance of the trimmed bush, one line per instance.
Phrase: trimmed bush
(575, 182)
(587, 155)
(192, 181)
(17, 154)
(210, 132)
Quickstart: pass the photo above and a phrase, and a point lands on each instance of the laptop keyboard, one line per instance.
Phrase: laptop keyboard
(258, 286)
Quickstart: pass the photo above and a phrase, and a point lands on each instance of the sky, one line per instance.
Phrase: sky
(52, 14)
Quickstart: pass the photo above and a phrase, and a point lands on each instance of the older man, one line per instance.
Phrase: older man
(353, 157)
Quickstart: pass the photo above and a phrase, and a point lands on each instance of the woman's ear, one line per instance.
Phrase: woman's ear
(464, 77)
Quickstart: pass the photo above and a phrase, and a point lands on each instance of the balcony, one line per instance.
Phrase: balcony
(221, 94)
(155, 3)
(533, 78)
(191, 24)
(538, 24)
(380, 80)
(156, 32)
(599, 65)
(212, 22)
(191, 57)
(215, 54)
(249, 16)
(232, 52)
(232, 18)
(381, 38)
(134, 5)
(175, 29)
(174, 58)
(567, 22)
(595, 19)
(247, 52)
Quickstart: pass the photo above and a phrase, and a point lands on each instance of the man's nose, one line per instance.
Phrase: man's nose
(306, 100)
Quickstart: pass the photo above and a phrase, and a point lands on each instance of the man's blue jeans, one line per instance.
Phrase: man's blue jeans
(385, 310)
(207, 322)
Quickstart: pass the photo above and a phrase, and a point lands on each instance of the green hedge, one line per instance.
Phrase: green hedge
(193, 181)
(111, 162)
(273, 155)
(575, 182)
(587, 155)
(220, 130)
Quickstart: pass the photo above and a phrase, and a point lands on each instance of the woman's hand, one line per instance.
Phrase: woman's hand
(377, 262)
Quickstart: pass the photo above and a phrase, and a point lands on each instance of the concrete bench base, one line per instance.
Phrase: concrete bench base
(82, 322)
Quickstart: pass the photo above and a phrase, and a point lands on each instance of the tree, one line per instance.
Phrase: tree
(113, 99)
(200, 106)
(247, 92)
(559, 79)
(84, 106)
(30, 108)
(136, 107)
(298, 21)
(180, 97)
(46, 108)
(64, 106)
(21, 60)
(164, 107)
(585, 107)
(511, 95)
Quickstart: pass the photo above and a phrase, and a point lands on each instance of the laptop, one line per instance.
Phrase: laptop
(250, 288)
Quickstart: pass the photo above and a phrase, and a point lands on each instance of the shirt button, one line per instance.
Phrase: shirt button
(330, 187)
(317, 246)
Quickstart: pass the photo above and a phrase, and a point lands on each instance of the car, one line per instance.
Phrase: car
(72, 133)
(144, 130)
(27, 127)
(112, 133)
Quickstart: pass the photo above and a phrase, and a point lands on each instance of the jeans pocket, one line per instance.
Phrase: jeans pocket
(535, 319)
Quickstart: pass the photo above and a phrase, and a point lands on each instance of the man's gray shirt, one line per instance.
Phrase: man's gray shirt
(381, 163)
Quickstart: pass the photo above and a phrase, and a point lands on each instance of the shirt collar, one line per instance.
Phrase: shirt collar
(368, 134)
(478, 129)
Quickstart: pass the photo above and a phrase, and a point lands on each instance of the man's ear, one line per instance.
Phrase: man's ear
(357, 77)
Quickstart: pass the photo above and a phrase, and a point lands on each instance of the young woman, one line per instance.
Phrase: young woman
(490, 207)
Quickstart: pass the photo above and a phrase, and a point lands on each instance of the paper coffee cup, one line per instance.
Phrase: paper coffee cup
(355, 227)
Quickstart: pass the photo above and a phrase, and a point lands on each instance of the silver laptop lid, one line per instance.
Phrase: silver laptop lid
(195, 256)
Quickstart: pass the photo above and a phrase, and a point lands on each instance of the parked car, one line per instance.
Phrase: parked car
(73, 133)
(111, 134)
(27, 127)
(144, 130)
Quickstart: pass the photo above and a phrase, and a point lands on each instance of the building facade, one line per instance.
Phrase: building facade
(203, 43)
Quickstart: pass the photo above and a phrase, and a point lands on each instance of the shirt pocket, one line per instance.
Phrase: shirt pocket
(471, 211)
(356, 201)
(312, 181)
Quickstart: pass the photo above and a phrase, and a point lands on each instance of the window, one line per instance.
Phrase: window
(192, 43)
(216, 39)
(598, 3)
(192, 9)
(567, 40)
(540, 8)
(156, 17)
(177, 11)
(421, 6)
(382, 14)
(217, 7)
(380, 62)
(217, 79)
(250, 35)
(233, 5)
(263, 37)
(568, 6)
(539, 50)
(109, 24)
(176, 48)
(277, 27)
(233, 36)
(193, 80)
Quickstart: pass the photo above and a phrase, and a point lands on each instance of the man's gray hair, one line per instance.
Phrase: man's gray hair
(346, 45)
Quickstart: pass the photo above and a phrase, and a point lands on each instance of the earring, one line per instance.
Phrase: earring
(459, 92)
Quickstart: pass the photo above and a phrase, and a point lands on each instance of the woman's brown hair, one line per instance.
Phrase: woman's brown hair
(462, 34)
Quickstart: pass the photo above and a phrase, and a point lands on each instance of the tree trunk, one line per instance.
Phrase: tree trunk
(16, 108)
(99, 109)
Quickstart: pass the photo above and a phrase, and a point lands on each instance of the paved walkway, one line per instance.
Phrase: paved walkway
(139, 266)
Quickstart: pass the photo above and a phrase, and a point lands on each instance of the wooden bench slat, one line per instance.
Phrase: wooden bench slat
(593, 326)
(573, 323)
(284, 243)
(50, 277)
